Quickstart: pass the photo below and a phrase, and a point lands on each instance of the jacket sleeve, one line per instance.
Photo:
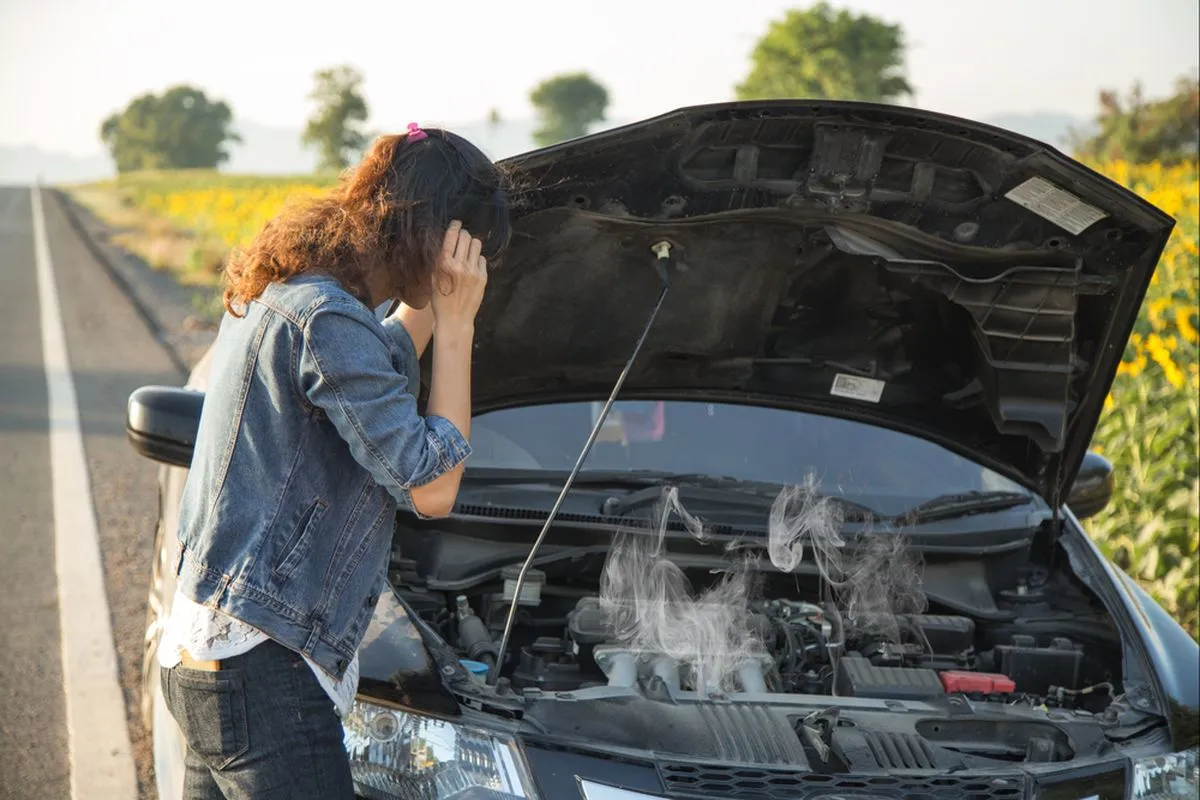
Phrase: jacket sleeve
(346, 369)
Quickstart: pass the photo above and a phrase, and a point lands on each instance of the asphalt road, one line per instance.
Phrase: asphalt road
(111, 352)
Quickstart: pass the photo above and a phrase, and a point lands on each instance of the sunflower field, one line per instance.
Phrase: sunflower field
(186, 221)
(1149, 429)
(225, 210)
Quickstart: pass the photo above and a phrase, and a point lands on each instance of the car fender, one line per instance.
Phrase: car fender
(1161, 660)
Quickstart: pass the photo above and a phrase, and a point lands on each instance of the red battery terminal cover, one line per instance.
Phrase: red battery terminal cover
(976, 683)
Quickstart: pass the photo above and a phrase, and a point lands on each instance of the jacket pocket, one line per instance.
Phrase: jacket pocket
(300, 542)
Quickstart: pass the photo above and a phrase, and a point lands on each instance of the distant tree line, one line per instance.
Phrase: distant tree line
(814, 53)
(336, 129)
(824, 54)
(1142, 130)
(183, 128)
(179, 129)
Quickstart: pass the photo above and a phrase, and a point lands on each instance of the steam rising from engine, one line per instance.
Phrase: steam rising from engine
(871, 583)
(652, 608)
(882, 580)
(798, 515)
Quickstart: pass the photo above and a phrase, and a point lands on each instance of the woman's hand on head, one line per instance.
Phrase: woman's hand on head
(459, 280)
(458, 286)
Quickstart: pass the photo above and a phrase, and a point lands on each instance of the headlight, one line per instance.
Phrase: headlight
(1170, 776)
(395, 755)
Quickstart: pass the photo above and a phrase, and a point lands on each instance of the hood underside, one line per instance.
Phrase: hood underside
(917, 271)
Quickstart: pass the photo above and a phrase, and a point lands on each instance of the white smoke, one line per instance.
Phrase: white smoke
(799, 515)
(871, 582)
(881, 581)
(652, 607)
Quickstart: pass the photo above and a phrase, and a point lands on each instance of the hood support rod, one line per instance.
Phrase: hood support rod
(662, 253)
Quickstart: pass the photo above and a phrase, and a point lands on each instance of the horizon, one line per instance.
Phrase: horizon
(530, 120)
(277, 150)
(1008, 67)
(973, 63)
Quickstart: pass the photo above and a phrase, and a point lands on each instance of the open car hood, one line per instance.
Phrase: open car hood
(913, 270)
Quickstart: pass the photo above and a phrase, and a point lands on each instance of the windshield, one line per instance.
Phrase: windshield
(883, 469)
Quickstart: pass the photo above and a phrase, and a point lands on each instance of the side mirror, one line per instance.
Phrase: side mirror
(161, 422)
(1093, 487)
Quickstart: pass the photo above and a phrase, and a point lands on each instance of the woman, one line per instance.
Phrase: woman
(310, 435)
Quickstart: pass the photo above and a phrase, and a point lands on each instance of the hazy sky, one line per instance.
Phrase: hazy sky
(66, 64)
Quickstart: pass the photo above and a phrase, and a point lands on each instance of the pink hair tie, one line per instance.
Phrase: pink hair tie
(415, 134)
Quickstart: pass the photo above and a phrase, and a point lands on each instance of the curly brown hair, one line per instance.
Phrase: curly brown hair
(390, 212)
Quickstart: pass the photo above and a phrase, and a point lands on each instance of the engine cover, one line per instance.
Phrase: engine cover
(857, 677)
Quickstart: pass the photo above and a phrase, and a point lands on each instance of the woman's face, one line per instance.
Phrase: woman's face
(382, 289)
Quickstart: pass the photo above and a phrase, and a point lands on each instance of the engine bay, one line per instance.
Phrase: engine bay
(1043, 642)
(804, 653)
(960, 660)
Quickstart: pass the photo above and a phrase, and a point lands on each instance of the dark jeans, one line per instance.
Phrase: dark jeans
(260, 727)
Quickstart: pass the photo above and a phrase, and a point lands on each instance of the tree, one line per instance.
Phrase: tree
(1141, 130)
(179, 129)
(335, 128)
(567, 104)
(820, 53)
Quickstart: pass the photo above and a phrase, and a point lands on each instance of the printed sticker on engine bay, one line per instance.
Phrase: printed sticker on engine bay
(866, 389)
(1056, 205)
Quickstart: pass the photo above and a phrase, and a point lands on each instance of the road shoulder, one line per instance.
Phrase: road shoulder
(112, 352)
(168, 308)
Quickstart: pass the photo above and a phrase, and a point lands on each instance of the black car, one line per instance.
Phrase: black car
(913, 318)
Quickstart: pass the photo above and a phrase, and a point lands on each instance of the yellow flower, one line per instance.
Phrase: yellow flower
(1183, 323)
(1155, 344)
(1154, 311)
(1132, 368)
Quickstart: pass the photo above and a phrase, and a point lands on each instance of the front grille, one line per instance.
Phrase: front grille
(754, 783)
(750, 733)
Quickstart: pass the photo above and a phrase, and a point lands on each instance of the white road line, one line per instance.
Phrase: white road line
(101, 758)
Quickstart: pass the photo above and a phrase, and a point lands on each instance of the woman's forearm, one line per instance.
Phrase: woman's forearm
(450, 398)
(419, 324)
(450, 383)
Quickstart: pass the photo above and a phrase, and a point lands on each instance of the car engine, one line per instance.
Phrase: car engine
(663, 610)
(564, 641)
(806, 651)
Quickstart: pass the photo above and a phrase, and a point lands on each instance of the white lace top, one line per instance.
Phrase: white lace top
(210, 635)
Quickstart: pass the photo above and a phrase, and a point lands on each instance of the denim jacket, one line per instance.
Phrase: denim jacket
(309, 436)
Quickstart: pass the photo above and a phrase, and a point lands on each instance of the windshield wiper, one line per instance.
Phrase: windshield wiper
(503, 476)
(962, 504)
(636, 479)
(649, 485)
(725, 491)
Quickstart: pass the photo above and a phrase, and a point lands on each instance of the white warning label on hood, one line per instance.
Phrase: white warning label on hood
(1056, 205)
(856, 388)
